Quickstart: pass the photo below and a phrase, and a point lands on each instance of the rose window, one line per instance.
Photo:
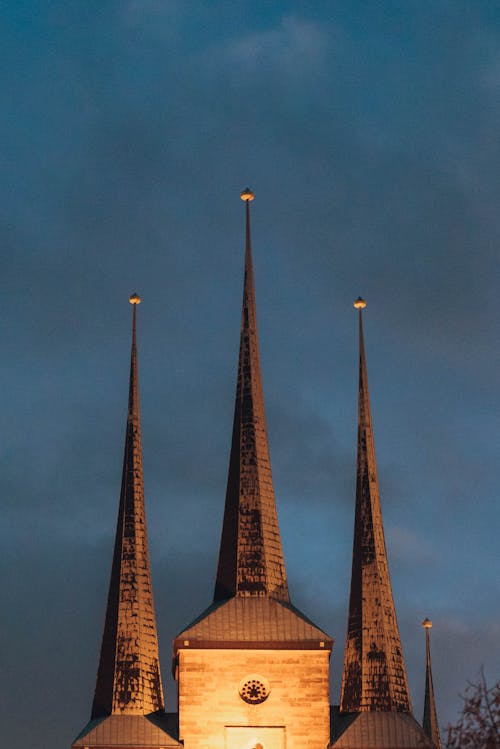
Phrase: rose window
(254, 690)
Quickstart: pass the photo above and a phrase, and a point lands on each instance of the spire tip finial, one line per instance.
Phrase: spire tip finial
(359, 303)
(134, 299)
(247, 195)
(427, 624)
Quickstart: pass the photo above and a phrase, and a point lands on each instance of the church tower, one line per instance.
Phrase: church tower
(375, 707)
(252, 670)
(128, 707)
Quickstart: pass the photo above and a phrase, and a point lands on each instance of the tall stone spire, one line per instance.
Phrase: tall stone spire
(251, 558)
(374, 677)
(128, 679)
(430, 721)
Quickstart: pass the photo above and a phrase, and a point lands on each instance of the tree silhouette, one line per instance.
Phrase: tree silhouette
(478, 726)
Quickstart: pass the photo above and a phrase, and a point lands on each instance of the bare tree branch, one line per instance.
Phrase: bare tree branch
(478, 725)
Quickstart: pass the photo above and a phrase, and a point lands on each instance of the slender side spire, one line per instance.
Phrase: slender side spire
(374, 677)
(251, 558)
(128, 679)
(430, 721)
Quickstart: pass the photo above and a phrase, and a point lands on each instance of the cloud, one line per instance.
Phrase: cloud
(410, 546)
(372, 144)
(158, 14)
(295, 44)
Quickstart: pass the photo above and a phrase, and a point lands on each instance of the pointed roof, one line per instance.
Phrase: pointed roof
(128, 678)
(251, 558)
(155, 731)
(374, 677)
(253, 622)
(377, 730)
(430, 721)
(251, 607)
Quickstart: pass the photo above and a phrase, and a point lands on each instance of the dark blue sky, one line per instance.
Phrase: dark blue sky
(369, 133)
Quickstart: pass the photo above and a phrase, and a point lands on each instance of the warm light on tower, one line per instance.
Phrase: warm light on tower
(247, 195)
(359, 303)
(134, 299)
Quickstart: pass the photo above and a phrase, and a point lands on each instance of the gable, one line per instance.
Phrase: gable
(259, 622)
(377, 730)
(145, 731)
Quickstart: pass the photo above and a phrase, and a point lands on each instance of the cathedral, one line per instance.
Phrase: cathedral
(252, 670)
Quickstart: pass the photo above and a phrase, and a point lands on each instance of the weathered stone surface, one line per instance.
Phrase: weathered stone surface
(213, 714)
(374, 676)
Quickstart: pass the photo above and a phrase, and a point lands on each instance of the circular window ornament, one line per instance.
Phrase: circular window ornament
(254, 689)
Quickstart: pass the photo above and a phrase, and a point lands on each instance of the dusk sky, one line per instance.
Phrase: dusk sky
(370, 134)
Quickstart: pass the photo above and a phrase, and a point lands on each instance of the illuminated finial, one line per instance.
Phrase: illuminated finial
(427, 624)
(134, 299)
(359, 303)
(247, 195)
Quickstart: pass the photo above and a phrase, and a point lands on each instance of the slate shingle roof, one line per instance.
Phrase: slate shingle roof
(251, 557)
(374, 676)
(255, 623)
(145, 731)
(128, 677)
(377, 730)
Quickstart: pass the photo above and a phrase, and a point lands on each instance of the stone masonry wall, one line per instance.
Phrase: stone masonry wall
(295, 715)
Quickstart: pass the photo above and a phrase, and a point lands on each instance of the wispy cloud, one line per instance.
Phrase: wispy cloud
(289, 48)
(410, 545)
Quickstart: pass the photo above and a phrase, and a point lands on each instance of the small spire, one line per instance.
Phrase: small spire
(374, 677)
(250, 558)
(128, 678)
(430, 721)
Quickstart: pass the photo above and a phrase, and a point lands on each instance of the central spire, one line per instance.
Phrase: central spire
(374, 677)
(128, 679)
(251, 558)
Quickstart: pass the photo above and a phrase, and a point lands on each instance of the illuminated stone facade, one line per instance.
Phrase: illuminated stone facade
(213, 713)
